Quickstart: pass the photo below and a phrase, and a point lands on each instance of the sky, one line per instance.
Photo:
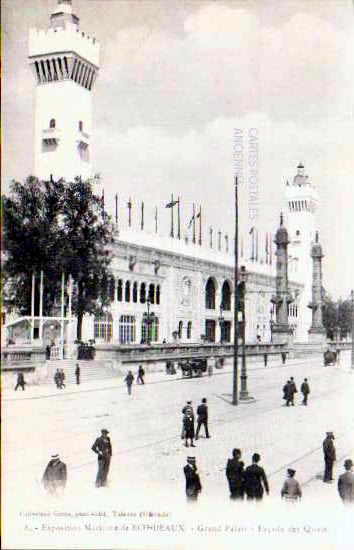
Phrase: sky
(177, 78)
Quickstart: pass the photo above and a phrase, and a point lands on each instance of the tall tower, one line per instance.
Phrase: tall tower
(65, 63)
(301, 201)
(282, 332)
(317, 332)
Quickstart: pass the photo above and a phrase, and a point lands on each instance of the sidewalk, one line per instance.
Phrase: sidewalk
(49, 390)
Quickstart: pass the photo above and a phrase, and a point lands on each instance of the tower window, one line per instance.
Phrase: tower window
(52, 123)
(81, 126)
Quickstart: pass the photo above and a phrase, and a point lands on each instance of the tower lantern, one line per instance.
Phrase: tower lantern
(65, 63)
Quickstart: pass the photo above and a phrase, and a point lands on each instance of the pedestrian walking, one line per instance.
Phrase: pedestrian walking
(346, 483)
(193, 484)
(292, 390)
(20, 381)
(77, 373)
(187, 407)
(291, 489)
(255, 480)
(62, 379)
(188, 421)
(235, 475)
(129, 379)
(338, 355)
(305, 390)
(329, 453)
(202, 412)
(141, 374)
(286, 392)
(103, 448)
(57, 379)
(55, 475)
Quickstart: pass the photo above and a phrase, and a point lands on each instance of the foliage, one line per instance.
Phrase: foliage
(57, 227)
(337, 316)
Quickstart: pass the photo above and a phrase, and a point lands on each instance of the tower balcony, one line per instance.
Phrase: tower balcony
(83, 140)
(51, 136)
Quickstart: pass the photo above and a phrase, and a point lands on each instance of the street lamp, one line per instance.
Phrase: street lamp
(148, 319)
(243, 275)
(236, 301)
(221, 323)
(271, 324)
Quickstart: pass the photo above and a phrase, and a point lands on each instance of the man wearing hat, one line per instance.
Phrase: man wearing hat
(255, 480)
(193, 484)
(346, 483)
(188, 408)
(54, 476)
(305, 390)
(329, 453)
(102, 446)
(202, 412)
(291, 489)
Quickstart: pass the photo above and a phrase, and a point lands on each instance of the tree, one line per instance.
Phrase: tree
(336, 316)
(56, 227)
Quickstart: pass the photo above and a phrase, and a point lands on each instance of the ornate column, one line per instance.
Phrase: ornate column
(282, 332)
(317, 332)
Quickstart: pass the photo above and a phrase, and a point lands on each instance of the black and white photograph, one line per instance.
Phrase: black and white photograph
(177, 302)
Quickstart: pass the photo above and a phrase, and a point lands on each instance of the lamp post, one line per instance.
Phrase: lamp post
(148, 319)
(271, 324)
(242, 287)
(221, 324)
(352, 297)
(236, 301)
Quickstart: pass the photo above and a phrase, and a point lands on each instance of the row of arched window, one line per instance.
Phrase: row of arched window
(62, 68)
(103, 329)
(292, 310)
(298, 206)
(210, 295)
(188, 330)
(137, 293)
(52, 124)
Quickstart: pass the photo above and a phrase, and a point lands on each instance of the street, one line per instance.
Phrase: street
(148, 454)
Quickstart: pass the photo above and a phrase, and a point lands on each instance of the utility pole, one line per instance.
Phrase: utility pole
(236, 300)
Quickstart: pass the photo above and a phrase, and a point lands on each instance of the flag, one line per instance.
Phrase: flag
(102, 199)
(199, 214)
(191, 221)
(251, 230)
(171, 204)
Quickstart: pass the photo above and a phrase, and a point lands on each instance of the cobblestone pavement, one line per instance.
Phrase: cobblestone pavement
(148, 454)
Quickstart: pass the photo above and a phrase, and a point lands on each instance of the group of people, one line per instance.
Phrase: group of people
(59, 378)
(188, 420)
(129, 379)
(289, 391)
(250, 482)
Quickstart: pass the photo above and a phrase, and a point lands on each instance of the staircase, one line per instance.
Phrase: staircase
(89, 370)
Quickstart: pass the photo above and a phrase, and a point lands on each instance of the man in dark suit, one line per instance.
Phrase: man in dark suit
(291, 391)
(329, 453)
(346, 483)
(255, 480)
(193, 484)
(77, 373)
(55, 475)
(20, 381)
(305, 390)
(235, 475)
(202, 412)
(102, 446)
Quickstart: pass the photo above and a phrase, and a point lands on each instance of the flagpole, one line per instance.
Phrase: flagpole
(211, 237)
(256, 245)
(116, 208)
(142, 216)
(32, 304)
(156, 219)
(129, 212)
(178, 221)
(193, 218)
(171, 234)
(200, 225)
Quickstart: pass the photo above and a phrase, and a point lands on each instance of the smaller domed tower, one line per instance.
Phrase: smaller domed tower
(317, 332)
(282, 332)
